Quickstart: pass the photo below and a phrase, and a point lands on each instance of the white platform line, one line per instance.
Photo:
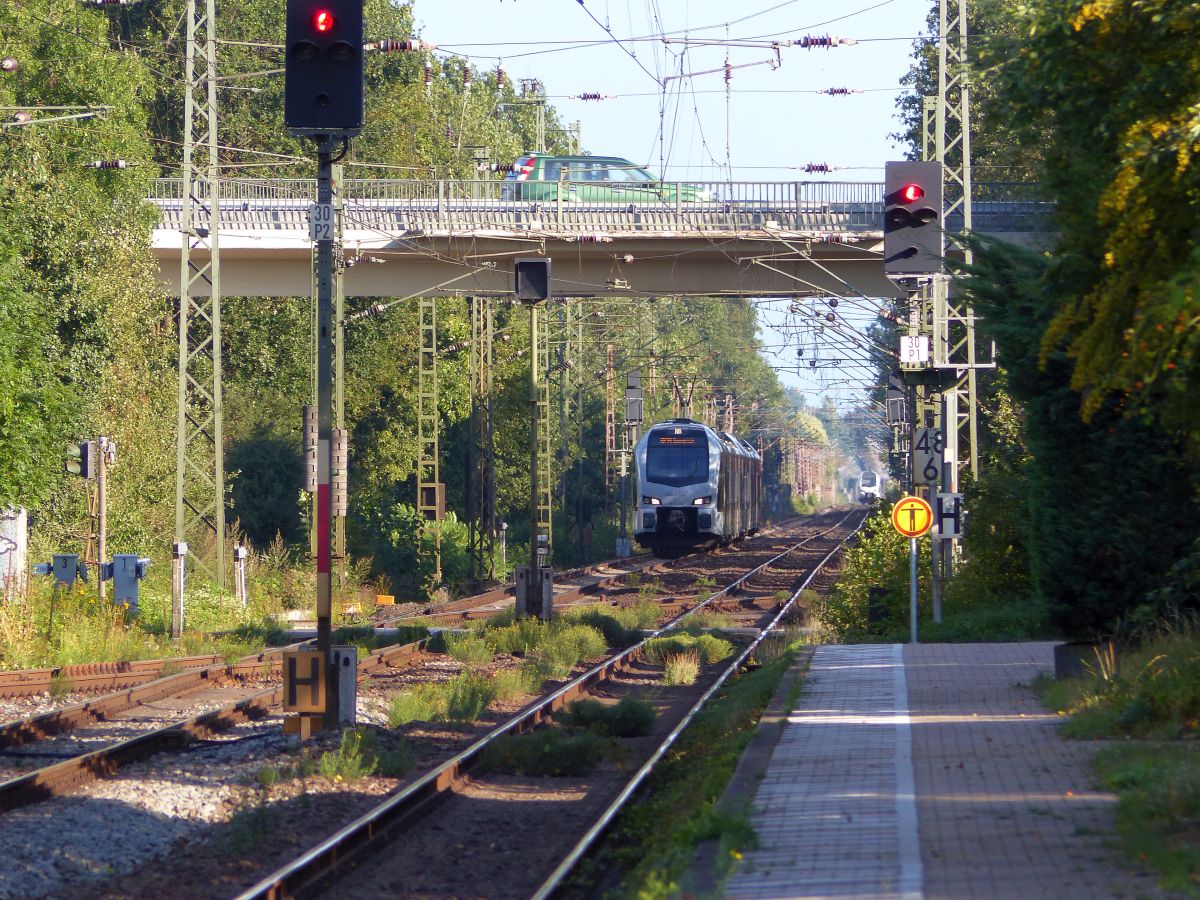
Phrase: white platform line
(911, 877)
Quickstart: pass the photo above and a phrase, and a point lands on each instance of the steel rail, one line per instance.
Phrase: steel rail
(585, 843)
(40, 727)
(318, 862)
(653, 565)
(58, 778)
(91, 677)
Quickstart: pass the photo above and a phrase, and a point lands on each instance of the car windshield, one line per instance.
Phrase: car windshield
(594, 170)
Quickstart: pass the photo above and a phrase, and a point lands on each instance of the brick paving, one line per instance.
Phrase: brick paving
(930, 771)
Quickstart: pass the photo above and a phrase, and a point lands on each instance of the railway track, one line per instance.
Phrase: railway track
(95, 677)
(583, 586)
(106, 721)
(359, 844)
(214, 756)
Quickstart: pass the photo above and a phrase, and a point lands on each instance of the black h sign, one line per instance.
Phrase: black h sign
(323, 67)
(912, 218)
(304, 681)
(949, 516)
(532, 278)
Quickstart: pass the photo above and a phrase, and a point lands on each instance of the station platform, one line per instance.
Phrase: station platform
(925, 771)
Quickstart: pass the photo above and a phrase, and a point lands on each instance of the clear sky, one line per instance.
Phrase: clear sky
(770, 124)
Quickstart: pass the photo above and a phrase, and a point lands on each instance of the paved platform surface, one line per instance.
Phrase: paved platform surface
(930, 771)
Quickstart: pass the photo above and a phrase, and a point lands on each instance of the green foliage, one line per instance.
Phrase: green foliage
(1151, 692)
(413, 706)
(621, 625)
(707, 648)
(681, 668)
(513, 684)
(347, 762)
(462, 699)
(468, 650)
(546, 752)
(468, 696)
(1158, 790)
(630, 717)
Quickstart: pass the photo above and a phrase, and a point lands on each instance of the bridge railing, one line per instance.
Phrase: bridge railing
(394, 204)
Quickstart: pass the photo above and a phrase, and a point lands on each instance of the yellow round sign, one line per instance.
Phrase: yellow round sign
(912, 517)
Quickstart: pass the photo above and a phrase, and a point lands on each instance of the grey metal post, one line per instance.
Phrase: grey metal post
(179, 552)
(912, 590)
(533, 592)
(325, 411)
(101, 511)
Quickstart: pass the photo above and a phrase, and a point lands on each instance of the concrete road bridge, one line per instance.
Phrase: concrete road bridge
(406, 238)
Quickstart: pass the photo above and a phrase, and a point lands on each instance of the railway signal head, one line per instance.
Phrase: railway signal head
(323, 66)
(81, 459)
(912, 218)
(532, 278)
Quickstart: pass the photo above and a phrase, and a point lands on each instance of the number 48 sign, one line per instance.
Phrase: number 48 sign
(929, 445)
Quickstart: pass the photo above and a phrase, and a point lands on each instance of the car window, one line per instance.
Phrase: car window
(552, 170)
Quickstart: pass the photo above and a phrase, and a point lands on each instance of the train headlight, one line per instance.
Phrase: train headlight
(651, 501)
(702, 501)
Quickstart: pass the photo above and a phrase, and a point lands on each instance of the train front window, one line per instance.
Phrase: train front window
(677, 465)
(868, 479)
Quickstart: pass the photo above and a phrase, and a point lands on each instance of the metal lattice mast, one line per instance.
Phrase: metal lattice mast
(199, 436)
(339, 358)
(610, 426)
(428, 480)
(544, 444)
(480, 480)
(954, 324)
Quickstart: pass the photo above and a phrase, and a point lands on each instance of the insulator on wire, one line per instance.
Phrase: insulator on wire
(501, 77)
(449, 132)
(428, 73)
(593, 95)
(818, 167)
(504, 168)
(106, 164)
(591, 238)
(22, 118)
(339, 474)
(392, 45)
(466, 76)
(9, 64)
(110, 2)
(839, 91)
(728, 71)
(822, 40)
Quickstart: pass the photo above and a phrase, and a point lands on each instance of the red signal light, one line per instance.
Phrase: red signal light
(323, 21)
(911, 192)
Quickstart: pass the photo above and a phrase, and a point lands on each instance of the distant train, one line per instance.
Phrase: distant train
(868, 487)
(698, 487)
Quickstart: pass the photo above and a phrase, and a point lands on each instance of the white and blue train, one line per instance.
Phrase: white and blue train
(698, 487)
(868, 487)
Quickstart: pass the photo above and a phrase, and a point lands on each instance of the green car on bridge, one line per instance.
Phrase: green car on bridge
(596, 179)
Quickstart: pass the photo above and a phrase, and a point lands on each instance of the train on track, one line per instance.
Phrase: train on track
(869, 487)
(698, 487)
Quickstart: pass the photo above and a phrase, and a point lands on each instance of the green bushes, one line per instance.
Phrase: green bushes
(621, 625)
(628, 718)
(681, 668)
(546, 752)
(463, 698)
(584, 740)
(707, 648)
(469, 650)
(1154, 693)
